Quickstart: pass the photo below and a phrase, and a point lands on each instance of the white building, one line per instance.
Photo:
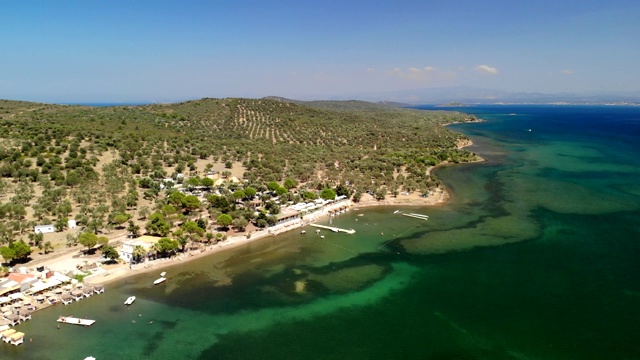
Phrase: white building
(43, 229)
(126, 250)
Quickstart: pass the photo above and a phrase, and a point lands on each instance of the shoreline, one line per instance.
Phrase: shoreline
(108, 274)
(112, 273)
(121, 271)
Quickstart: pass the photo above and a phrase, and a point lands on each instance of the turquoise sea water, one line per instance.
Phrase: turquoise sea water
(535, 257)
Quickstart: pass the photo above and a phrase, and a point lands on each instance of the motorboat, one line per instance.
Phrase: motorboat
(159, 280)
(130, 300)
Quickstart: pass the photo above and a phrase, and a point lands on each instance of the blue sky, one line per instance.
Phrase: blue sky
(91, 51)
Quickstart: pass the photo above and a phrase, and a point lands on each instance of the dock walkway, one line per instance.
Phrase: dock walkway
(334, 229)
(75, 321)
(417, 216)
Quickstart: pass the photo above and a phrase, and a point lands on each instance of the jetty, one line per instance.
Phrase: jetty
(334, 229)
(75, 321)
(417, 216)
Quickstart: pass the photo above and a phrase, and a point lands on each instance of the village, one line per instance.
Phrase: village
(75, 277)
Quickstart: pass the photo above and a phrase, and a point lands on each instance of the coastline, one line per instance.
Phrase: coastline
(121, 271)
(112, 273)
(108, 274)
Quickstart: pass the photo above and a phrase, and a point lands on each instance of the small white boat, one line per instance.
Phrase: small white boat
(163, 274)
(130, 300)
(159, 280)
(303, 232)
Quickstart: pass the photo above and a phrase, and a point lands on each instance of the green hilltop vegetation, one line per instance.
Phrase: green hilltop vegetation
(94, 163)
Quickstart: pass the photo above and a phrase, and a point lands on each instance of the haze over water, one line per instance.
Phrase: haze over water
(535, 257)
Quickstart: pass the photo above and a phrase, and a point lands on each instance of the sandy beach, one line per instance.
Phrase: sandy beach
(108, 273)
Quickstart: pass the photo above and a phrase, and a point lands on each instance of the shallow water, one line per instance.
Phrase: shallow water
(534, 257)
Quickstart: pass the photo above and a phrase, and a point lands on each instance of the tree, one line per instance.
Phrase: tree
(240, 223)
(7, 253)
(48, 247)
(36, 239)
(181, 238)
(220, 202)
(157, 225)
(342, 190)
(272, 185)
(109, 252)
(193, 182)
(290, 184)
(61, 223)
(357, 196)
(144, 212)
(133, 229)
(273, 208)
(309, 195)
(193, 229)
(190, 203)
(103, 240)
(120, 219)
(72, 240)
(250, 192)
(176, 198)
(207, 182)
(168, 210)
(224, 220)
(88, 239)
(165, 246)
(138, 253)
(21, 250)
(381, 193)
(238, 195)
(328, 194)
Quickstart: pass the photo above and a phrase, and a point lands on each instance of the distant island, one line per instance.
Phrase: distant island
(453, 104)
(199, 171)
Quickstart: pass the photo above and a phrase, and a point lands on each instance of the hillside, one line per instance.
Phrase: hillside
(91, 164)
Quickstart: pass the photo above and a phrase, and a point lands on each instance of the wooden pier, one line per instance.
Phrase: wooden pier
(75, 321)
(334, 229)
(417, 216)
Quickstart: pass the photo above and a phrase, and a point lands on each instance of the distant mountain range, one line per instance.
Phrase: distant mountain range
(472, 95)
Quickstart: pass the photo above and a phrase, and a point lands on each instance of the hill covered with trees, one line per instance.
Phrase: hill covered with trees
(104, 166)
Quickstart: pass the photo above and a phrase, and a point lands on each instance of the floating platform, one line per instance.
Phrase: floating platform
(75, 321)
(334, 229)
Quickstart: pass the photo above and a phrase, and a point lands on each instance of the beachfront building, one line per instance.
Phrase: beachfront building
(47, 281)
(288, 217)
(15, 283)
(128, 247)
